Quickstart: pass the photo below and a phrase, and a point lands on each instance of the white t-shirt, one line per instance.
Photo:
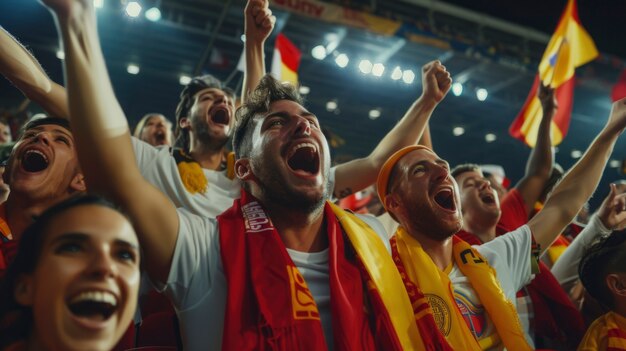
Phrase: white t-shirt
(197, 286)
(510, 256)
(159, 168)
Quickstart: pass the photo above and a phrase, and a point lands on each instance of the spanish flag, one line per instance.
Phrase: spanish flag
(286, 60)
(570, 47)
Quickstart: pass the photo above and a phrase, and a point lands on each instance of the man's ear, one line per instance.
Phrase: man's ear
(23, 292)
(78, 183)
(616, 283)
(243, 169)
(184, 123)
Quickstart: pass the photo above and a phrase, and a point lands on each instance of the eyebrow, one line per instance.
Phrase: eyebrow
(81, 237)
(55, 130)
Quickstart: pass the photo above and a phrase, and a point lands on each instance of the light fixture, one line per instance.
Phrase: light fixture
(458, 131)
(331, 105)
(576, 153)
(378, 69)
(133, 9)
(132, 68)
(318, 52)
(304, 90)
(342, 60)
(396, 74)
(614, 163)
(60, 54)
(243, 38)
(98, 4)
(408, 76)
(184, 79)
(365, 66)
(457, 89)
(375, 113)
(153, 14)
(481, 94)
(490, 137)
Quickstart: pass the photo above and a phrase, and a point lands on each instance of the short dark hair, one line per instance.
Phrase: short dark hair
(465, 167)
(16, 321)
(186, 101)
(605, 256)
(268, 91)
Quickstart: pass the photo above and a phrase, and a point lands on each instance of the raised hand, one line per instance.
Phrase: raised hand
(65, 8)
(612, 212)
(259, 21)
(617, 118)
(436, 81)
(547, 98)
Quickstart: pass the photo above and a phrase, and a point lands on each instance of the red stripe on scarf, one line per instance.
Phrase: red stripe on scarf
(261, 311)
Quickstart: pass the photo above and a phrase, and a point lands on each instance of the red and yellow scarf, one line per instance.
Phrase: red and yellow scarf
(8, 247)
(430, 288)
(610, 329)
(270, 307)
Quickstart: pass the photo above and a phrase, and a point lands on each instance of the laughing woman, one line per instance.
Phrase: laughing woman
(74, 281)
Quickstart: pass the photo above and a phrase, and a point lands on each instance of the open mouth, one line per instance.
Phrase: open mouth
(93, 305)
(445, 199)
(160, 137)
(220, 116)
(488, 199)
(304, 158)
(34, 161)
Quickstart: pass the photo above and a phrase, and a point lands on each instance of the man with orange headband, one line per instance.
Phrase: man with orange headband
(417, 189)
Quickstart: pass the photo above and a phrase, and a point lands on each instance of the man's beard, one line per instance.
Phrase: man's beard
(203, 134)
(277, 191)
(424, 220)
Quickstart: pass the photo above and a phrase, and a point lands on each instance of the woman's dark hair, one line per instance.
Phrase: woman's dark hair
(16, 321)
(606, 256)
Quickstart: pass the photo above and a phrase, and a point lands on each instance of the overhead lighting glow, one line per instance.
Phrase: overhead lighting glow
(365, 66)
(243, 38)
(490, 137)
(614, 164)
(153, 14)
(397, 73)
(458, 131)
(481, 94)
(98, 4)
(342, 60)
(576, 153)
(457, 89)
(378, 69)
(132, 69)
(319, 52)
(408, 76)
(304, 90)
(375, 113)
(331, 105)
(184, 80)
(60, 54)
(133, 9)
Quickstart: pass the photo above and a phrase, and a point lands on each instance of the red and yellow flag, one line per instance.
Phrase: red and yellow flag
(570, 47)
(286, 60)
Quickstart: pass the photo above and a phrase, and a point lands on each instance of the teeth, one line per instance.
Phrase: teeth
(37, 152)
(96, 296)
(301, 145)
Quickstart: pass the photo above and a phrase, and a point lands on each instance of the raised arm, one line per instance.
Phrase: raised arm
(21, 68)
(361, 173)
(103, 139)
(258, 24)
(579, 183)
(540, 160)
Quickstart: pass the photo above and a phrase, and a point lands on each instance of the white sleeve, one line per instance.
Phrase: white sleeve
(513, 249)
(196, 261)
(144, 153)
(565, 270)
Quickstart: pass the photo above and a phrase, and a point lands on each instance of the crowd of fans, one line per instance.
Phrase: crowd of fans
(169, 240)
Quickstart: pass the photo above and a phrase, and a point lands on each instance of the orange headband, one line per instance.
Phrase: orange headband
(385, 171)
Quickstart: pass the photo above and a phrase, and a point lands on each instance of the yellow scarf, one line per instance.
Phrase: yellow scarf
(384, 277)
(438, 289)
(192, 175)
(611, 327)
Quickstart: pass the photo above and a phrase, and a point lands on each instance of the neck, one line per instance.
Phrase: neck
(440, 251)
(207, 155)
(299, 230)
(485, 231)
(20, 211)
